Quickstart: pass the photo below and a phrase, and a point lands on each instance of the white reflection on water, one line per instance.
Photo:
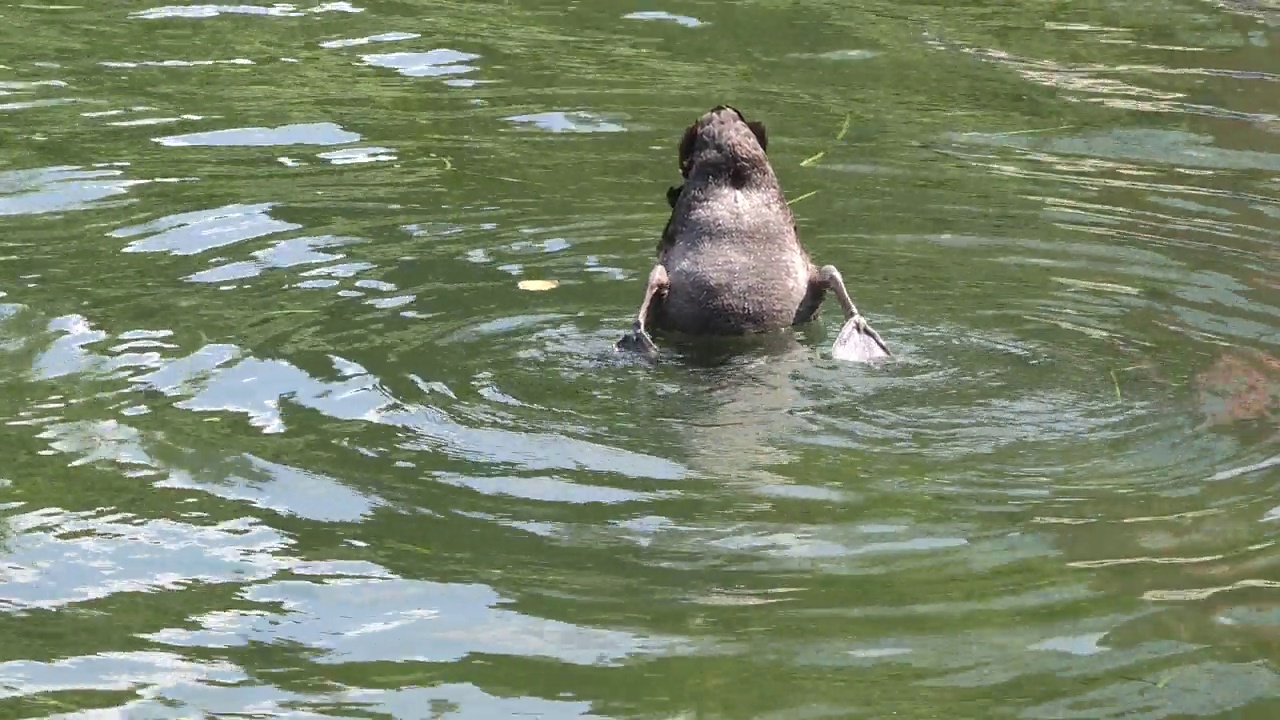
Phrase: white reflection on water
(401, 620)
(383, 37)
(433, 63)
(283, 254)
(60, 189)
(560, 121)
(220, 378)
(209, 11)
(321, 133)
(58, 558)
(170, 686)
(194, 232)
(662, 15)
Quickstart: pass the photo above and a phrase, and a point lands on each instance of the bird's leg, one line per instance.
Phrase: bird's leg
(638, 339)
(857, 340)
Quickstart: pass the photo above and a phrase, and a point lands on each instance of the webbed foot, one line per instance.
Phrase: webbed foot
(637, 341)
(858, 342)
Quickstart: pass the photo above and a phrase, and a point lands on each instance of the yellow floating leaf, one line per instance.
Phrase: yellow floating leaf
(537, 285)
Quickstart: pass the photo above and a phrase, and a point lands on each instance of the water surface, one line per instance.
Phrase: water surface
(286, 438)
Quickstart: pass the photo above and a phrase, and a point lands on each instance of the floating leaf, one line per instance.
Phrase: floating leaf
(537, 285)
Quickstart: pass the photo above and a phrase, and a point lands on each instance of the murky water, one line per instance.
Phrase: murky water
(283, 436)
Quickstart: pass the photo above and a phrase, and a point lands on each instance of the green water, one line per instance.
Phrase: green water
(281, 435)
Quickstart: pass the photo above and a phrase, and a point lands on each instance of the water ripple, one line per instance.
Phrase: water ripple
(287, 436)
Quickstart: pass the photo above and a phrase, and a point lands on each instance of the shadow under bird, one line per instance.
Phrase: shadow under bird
(729, 262)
